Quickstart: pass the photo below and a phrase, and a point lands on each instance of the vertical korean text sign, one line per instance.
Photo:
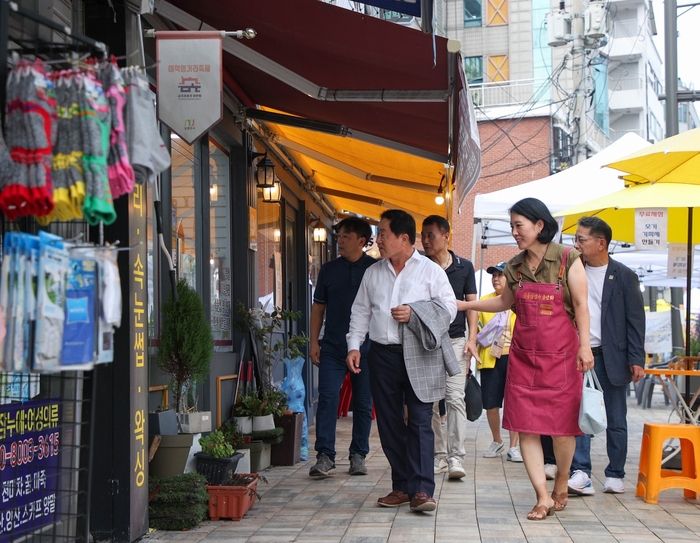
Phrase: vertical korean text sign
(29, 467)
(190, 82)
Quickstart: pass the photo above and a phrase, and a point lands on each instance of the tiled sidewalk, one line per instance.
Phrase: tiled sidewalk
(489, 505)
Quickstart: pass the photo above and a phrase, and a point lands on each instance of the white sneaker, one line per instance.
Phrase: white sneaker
(580, 483)
(514, 455)
(440, 465)
(494, 449)
(456, 468)
(614, 486)
(550, 471)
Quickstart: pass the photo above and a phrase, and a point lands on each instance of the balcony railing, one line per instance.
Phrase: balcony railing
(625, 29)
(626, 83)
(511, 93)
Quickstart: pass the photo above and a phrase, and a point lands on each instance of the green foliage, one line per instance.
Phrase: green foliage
(262, 327)
(249, 405)
(272, 437)
(274, 401)
(231, 434)
(186, 342)
(178, 503)
(215, 445)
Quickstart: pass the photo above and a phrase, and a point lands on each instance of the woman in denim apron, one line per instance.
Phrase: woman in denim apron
(550, 350)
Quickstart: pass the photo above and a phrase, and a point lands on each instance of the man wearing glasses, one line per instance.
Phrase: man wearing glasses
(617, 341)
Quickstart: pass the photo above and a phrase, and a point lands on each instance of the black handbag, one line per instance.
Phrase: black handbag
(472, 397)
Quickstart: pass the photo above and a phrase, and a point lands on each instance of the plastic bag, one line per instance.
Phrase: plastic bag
(592, 418)
(293, 386)
(472, 398)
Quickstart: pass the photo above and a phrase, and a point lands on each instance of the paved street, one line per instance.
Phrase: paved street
(489, 505)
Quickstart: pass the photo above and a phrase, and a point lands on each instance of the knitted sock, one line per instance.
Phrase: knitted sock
(120, 172)
(146, 147)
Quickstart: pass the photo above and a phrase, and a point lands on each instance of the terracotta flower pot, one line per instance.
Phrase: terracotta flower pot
(232, 501)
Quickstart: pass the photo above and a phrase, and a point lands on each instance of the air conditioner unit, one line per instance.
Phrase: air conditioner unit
(558, 27)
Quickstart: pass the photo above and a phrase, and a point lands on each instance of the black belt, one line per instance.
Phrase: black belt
(596, 350)
(393, 347)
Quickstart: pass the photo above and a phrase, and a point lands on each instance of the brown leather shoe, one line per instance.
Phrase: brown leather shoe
(422, 502)
(394, 499)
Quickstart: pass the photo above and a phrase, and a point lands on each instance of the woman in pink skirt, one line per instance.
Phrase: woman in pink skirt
(548, 290)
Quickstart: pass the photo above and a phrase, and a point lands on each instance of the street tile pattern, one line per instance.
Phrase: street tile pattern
(489, 505)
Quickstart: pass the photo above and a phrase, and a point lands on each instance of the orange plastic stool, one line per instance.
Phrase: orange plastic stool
(652, 479)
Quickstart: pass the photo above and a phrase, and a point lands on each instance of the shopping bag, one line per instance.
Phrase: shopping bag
(472, 397)
(592, 418)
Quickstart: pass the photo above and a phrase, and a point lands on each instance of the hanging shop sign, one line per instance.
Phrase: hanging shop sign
(468, 167)
(677, 265)
(190, 100)
(29, 461)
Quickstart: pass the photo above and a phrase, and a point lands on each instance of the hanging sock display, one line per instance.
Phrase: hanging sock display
(120, 172)
(147, 152)
(68, 179)
(30, 135)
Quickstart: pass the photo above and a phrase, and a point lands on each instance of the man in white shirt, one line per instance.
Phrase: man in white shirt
(617, 341)
(403, 277)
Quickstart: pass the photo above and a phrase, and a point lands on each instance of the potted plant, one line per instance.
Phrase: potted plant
(218, 459)
(234, 499)
(248, 406)
(274, 403)
(184, 353)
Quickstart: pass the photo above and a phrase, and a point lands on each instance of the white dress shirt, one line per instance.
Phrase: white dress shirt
(596, 280)
(381, 289)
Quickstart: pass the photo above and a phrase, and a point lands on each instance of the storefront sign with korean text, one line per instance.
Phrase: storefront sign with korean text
(29, 460)
(189, 82)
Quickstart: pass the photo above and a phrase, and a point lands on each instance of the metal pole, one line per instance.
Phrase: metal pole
(687, 295)
(579, 60)
(671, 64)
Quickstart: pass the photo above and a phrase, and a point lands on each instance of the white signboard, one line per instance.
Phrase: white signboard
(650, 228)
(677, 260)
(658, 332)
(190, 99)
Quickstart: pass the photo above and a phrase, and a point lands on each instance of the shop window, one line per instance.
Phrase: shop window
(496, 12)
(184, 166)
(220, 241)
(472, 13)
(497, 68)
(269, 254)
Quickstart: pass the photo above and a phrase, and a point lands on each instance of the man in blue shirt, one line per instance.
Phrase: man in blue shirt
(337, 285)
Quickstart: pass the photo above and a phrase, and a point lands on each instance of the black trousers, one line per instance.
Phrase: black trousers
(408, 447)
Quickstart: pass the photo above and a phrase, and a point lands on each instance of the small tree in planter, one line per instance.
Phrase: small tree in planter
(262, 327)
(186, 344)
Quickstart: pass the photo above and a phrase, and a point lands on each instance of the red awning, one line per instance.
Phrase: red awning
(336, 49)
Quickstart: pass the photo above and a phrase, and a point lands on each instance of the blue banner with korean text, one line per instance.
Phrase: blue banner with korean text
(29, 461)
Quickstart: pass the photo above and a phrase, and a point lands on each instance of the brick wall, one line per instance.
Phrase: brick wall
(514, 151)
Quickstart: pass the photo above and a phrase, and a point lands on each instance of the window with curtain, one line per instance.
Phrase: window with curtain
(220, 242)
(472, 13)
(184, 166)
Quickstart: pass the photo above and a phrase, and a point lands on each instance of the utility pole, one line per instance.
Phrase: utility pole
(671, 65)
(579, 60)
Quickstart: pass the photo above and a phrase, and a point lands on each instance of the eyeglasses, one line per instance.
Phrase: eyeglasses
(581, 240)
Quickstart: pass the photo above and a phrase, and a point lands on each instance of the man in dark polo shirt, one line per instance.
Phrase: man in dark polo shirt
(449, 439)
(337, 285)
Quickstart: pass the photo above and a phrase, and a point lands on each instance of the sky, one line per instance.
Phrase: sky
(688, 40)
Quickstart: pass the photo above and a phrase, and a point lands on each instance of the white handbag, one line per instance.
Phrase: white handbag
(592, 418)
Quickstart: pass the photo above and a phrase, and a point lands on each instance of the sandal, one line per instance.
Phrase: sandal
(540, 512)
(560, 500)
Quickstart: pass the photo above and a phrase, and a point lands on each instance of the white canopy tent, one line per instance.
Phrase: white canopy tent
(567, 188)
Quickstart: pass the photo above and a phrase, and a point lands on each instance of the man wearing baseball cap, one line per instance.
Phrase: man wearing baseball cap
(496, 331)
